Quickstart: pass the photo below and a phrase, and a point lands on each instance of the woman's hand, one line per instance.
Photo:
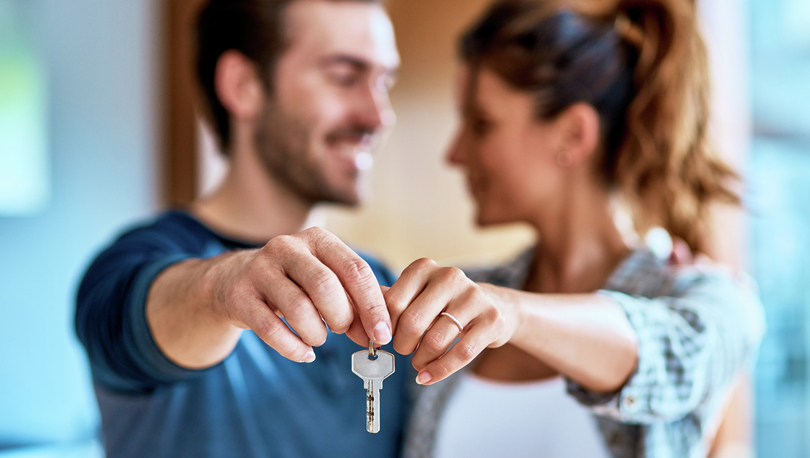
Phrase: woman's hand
(480, 314)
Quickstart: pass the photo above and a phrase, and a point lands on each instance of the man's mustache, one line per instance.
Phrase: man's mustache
(356, 134)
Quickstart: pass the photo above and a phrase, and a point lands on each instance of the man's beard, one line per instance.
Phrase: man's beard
(284, 147)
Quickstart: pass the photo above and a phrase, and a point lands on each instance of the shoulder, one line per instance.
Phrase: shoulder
(172, 234)
(171, 229)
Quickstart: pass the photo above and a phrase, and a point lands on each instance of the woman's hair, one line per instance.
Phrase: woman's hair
(642, 65)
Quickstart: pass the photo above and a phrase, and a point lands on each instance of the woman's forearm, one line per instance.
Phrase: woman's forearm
(586, 337)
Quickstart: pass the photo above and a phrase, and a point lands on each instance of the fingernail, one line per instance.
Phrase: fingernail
(423, 378)
(382, 333)
(309, 357)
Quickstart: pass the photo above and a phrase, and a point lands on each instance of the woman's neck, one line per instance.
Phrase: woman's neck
(580, 245)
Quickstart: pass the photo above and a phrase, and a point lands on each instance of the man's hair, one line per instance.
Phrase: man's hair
(255, 28)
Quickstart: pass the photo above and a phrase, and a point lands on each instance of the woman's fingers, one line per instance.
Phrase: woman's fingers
(418, 302)
(407, 287)
(430, 306)
(472, 343)
(449, 325)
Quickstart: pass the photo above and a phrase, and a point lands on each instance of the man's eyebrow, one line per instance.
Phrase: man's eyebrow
(357, 63)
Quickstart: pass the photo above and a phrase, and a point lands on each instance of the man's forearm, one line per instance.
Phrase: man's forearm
(183, 317)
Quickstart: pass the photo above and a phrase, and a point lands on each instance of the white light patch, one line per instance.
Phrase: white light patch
(659, 242)
(364, 160)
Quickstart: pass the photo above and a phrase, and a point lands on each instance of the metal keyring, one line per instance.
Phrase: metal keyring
(372, 352)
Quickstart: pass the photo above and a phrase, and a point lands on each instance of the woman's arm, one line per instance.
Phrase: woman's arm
(734, 436)
(586, 337)
(632, 358)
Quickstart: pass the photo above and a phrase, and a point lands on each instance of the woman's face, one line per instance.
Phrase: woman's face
(507, 155)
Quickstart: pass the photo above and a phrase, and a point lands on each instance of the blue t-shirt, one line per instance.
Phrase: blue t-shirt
(255, 403)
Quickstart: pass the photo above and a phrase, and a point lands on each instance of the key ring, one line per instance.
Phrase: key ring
(372, 352)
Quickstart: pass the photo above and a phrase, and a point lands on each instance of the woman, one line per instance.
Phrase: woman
(567, 107)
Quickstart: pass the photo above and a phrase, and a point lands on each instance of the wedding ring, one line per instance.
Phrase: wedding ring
(460, 327)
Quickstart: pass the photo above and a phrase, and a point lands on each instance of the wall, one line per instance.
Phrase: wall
(101, 73)
(419, 206)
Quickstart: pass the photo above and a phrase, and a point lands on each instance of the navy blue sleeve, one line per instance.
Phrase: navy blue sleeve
(111, 306)
(111, 314)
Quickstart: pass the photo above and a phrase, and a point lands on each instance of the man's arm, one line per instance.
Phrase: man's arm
(197, 308)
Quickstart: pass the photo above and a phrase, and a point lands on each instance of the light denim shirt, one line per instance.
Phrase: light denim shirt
(697, 329)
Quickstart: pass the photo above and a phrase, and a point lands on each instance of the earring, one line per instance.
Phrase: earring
(564, 159)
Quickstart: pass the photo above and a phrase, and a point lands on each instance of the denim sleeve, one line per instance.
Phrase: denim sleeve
(691, 347)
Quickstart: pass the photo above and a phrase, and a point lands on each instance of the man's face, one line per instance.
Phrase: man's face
(329, 107)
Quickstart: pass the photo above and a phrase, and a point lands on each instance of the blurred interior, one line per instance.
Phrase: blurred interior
(109, 138)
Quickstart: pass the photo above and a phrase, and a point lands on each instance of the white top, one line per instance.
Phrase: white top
(535, 419)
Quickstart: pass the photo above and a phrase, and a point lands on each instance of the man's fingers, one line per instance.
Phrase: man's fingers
(296, 307)
(357, 279)
(681, 254)
(324, 290)
(272, 330)
(356, 331)
(462, 353)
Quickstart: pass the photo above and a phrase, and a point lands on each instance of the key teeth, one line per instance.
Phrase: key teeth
(373, 382)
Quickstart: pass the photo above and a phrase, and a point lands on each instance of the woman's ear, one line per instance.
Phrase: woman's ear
(579, 127)
(238, 86)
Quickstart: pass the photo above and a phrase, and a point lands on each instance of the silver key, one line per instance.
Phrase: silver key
(373, 366)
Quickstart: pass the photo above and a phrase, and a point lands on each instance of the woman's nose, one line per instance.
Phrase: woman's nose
(454, 155)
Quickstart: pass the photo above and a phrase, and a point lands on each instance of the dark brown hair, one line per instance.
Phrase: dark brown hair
(642, 65)
(255, 28)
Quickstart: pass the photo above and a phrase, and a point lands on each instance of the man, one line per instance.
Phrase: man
(298, 93)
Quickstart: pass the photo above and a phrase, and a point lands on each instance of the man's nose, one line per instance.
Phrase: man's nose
(375, 108)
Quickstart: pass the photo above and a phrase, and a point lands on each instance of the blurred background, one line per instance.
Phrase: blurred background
(97, 131)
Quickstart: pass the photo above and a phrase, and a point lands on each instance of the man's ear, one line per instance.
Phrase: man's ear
(580, 132)
(238, 85)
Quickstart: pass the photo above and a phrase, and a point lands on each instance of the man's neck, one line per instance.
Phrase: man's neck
(250, 206)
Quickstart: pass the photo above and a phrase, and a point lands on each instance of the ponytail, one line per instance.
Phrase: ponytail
(666, 166)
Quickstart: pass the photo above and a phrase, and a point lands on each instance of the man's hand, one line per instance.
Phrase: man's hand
(311, 279)
(416, 302)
